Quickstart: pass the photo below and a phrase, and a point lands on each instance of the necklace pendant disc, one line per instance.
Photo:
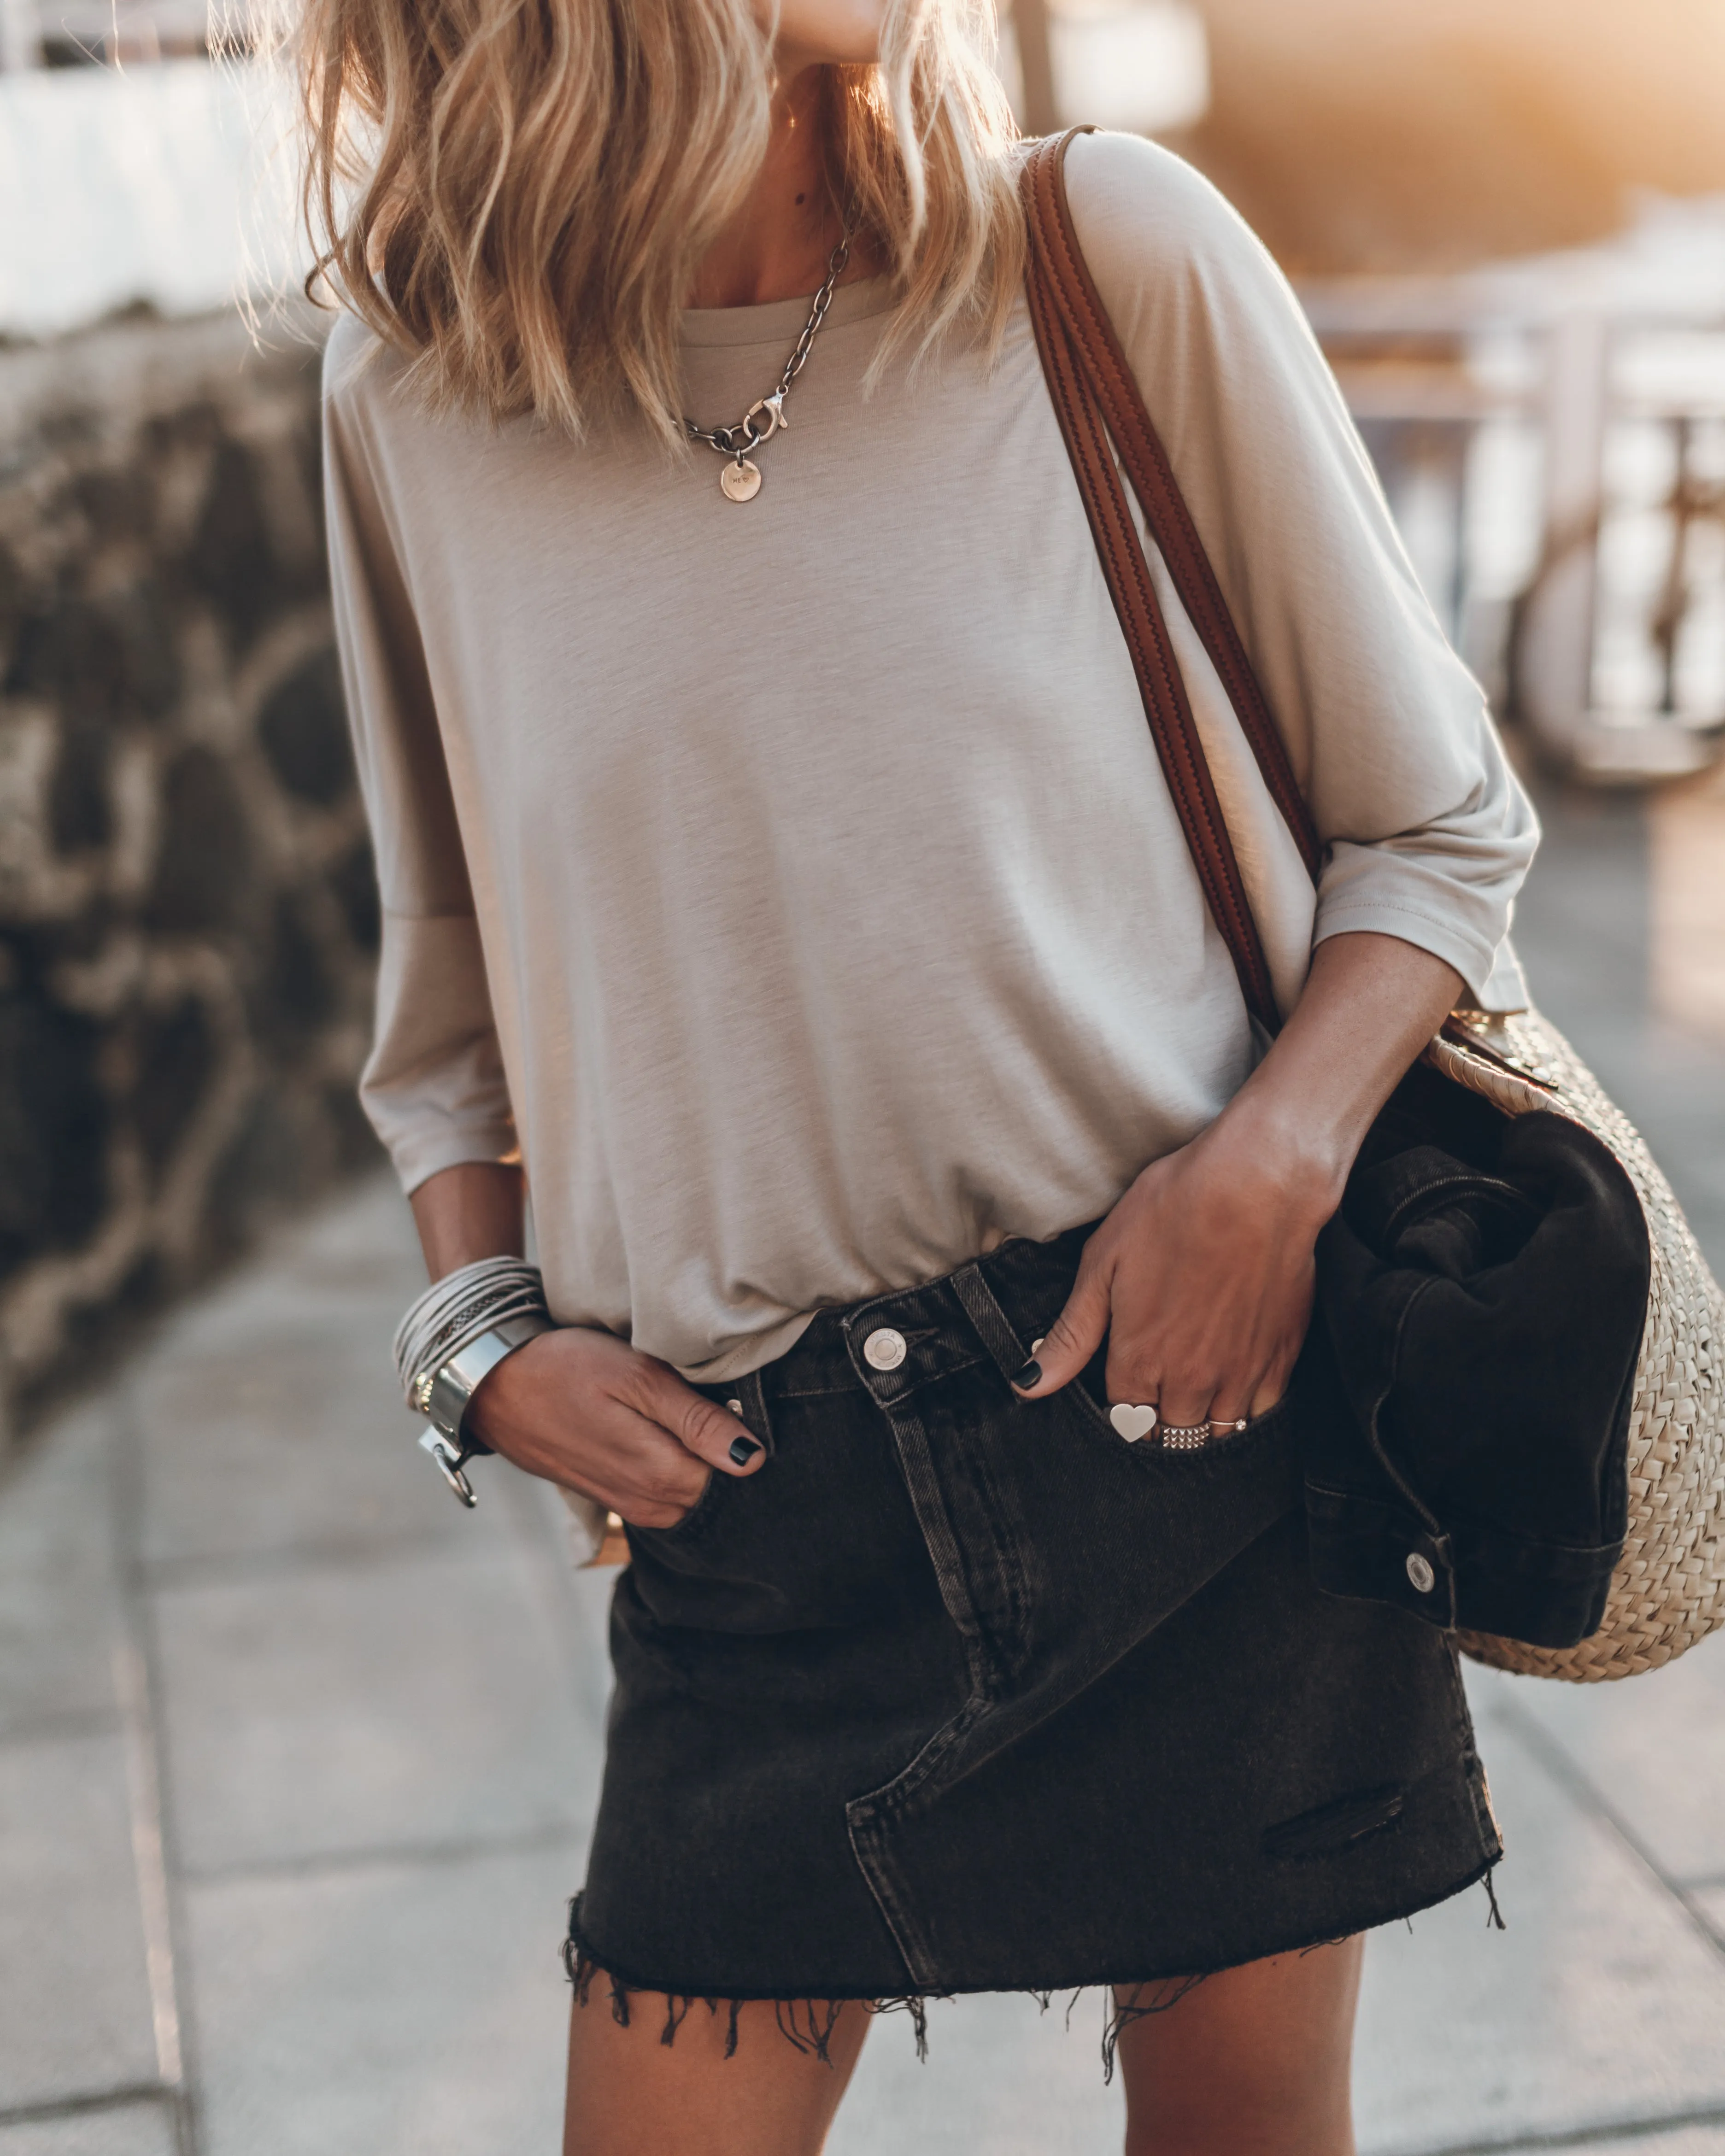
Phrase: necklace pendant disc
(741, 481)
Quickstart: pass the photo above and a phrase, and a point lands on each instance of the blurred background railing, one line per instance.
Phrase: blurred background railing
(1552, 437)
(1535, 351)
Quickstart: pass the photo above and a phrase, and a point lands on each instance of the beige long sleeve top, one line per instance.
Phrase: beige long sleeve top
(795, 881)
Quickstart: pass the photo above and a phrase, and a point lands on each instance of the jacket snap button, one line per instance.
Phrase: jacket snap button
(885, 1350)
(1421, 1572)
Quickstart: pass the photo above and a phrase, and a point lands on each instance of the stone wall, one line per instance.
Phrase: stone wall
(187, 914)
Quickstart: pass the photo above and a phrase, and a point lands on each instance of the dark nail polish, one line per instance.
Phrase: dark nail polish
(743, 1450)
(1030, 1375)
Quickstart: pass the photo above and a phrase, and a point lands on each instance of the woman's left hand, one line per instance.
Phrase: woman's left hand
(1201, 1279)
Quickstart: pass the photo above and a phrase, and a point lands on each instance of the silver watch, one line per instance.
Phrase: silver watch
(442, 1396)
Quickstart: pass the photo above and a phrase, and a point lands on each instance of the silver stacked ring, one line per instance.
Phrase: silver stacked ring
(1189, 1437)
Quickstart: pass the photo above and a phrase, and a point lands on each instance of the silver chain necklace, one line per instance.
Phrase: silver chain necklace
(741, 479)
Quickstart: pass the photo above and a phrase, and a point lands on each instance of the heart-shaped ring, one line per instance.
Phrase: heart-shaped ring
(1132, 1422)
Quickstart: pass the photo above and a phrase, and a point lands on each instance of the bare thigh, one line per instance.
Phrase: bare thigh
(630, 2094)
(1253, 2062)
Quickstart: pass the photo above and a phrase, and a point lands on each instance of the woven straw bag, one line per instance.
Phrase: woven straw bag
(1668, 1590)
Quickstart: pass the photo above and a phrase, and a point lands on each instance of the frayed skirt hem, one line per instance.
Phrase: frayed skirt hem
(807, 2022)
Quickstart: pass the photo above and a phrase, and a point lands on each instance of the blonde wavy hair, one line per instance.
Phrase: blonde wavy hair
(515, 193)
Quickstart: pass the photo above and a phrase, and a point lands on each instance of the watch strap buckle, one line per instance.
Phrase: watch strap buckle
(453, 1465)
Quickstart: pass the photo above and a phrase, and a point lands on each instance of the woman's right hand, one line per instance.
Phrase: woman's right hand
(578, 1406)
(583, 1409)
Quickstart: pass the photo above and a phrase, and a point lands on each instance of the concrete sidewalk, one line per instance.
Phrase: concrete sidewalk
(297, 1761)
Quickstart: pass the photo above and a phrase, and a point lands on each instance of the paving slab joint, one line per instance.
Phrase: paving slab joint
(88, 2102)
(1590, 2136)
(1561, 1764)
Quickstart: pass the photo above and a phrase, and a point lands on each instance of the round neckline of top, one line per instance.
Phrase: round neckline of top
(779, 320)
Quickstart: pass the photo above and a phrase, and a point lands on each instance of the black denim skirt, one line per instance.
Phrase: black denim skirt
(961, 1692)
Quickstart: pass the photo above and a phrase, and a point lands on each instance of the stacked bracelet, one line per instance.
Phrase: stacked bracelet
(452, 1338)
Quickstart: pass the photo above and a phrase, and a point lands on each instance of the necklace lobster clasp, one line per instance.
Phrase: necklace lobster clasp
(773, 406)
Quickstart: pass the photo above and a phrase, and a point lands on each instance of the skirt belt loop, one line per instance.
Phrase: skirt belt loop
(994, 1327)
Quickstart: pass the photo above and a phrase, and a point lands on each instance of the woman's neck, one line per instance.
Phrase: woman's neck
(777, 245)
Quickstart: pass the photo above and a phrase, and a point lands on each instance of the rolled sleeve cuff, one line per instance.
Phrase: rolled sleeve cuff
(423, 1153)
(1474, 958)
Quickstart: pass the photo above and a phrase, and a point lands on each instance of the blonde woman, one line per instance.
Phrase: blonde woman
(780, 883)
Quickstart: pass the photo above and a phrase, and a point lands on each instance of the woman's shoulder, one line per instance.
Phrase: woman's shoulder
(1153, 227)
(357, 364)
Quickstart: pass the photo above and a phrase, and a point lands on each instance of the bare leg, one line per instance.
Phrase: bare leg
(1254, 2061)
(631, 2095)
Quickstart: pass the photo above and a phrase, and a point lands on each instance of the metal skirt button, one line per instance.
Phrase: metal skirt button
(884, 1349)
(1421, 1572)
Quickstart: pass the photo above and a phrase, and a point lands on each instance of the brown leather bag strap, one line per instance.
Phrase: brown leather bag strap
(1058, 263)
(1127, 575)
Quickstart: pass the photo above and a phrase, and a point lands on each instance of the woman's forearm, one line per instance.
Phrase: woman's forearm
(1371, 1003)
(471, 1211)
